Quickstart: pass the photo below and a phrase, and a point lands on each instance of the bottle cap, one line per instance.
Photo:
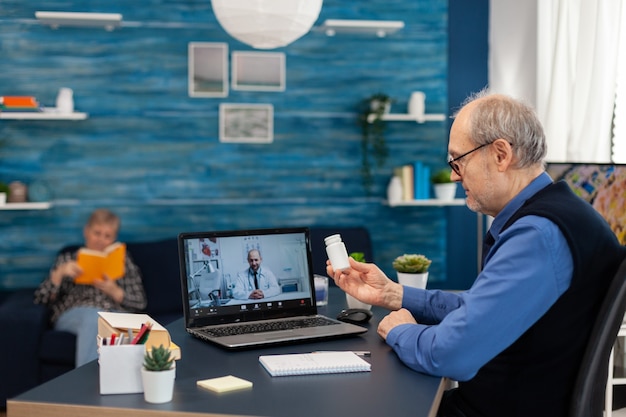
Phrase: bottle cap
(332, 239)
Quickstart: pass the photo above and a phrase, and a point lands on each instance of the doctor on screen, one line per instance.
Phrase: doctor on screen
(255, 282)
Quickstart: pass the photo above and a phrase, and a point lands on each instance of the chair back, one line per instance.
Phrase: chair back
(589, 389)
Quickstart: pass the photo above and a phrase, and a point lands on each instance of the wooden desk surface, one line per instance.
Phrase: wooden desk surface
(391, 389)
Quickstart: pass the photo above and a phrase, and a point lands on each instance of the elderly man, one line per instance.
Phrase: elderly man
(515, 338)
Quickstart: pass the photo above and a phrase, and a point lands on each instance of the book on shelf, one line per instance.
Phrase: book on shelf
(130, 324)
(95, 264)
(314, 363)
(408, 182)
(421, 180)
(19, 103)
(415, 180)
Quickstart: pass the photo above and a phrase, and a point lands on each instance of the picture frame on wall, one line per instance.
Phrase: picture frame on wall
(246, 123)
(258, 71)
(208, 69)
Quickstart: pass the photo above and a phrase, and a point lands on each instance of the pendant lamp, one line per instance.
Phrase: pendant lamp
(266, 24)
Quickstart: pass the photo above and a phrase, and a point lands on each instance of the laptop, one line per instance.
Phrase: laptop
(249, 288)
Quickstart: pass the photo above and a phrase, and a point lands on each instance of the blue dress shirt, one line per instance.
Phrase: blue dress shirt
(526, 270)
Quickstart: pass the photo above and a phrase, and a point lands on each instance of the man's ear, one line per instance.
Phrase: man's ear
(503, 152)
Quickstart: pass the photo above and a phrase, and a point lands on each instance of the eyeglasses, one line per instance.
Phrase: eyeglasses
(454, 162)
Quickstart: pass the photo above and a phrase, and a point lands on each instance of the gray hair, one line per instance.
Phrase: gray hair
(497, 116)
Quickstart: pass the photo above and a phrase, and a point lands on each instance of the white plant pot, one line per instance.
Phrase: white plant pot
(445, 191)
(158, 387)
(354, 303)
(413, 280)
(3, 199)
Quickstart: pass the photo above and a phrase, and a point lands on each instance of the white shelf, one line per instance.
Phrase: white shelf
(398, 117)
(48, 113)
(108, 21)
(380, 28)
(433, 202)
(26, 206)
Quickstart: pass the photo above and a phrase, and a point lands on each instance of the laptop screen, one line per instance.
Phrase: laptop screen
(245, 275)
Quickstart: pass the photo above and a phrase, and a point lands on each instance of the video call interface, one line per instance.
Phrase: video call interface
(247, 274)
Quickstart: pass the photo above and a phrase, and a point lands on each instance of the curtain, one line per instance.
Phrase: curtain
(576, 77)
(567, 58)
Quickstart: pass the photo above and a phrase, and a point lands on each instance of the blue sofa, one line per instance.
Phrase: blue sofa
(36, 353)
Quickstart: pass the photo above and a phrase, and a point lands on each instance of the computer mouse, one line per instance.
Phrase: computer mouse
(355, 315)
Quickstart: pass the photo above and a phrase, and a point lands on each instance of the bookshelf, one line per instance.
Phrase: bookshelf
(47, 114)
(26, 206)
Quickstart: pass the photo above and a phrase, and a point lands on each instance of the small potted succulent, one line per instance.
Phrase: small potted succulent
(412, 269)
(358, 256)
(444, 187)
(353, 302)
(158, 374)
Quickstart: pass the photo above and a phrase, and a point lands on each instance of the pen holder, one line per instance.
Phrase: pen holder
(120, 369)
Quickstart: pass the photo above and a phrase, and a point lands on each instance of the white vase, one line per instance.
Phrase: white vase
(158, 386)
(445, 191)
(394, 190)
(354, 303)
(413, 280)
(3, 199)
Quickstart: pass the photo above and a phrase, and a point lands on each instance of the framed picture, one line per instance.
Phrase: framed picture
(246, 123)
(258, 71)
(208, 69)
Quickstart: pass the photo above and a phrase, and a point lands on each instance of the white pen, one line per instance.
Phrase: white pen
(362, 353)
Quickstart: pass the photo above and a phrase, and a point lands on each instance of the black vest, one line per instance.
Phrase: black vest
(534, 376)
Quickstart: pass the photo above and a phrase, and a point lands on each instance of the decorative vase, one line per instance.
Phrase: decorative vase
(158, 386)
(413, 280)
(394, 190)
(354, 303)
(445, 191)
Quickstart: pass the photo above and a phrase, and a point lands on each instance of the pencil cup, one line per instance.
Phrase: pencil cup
(120, 369)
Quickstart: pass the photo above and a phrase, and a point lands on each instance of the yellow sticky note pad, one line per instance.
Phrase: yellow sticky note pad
(224, 384)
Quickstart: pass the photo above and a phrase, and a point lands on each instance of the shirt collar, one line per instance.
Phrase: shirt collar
(539, 183)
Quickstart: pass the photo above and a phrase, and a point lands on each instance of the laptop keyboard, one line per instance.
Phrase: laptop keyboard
(270, 326)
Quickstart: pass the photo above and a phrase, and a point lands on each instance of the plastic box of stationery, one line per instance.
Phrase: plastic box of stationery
(123, 339)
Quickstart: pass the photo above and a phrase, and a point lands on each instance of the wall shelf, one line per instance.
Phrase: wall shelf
(48, 113)
(432, 202)
(380, 28)
(108, 21)
(26, 206)
(398, 117)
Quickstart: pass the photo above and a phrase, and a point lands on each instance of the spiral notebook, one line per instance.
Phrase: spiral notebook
(314, 363)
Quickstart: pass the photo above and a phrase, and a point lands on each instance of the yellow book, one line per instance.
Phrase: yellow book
(95, 264)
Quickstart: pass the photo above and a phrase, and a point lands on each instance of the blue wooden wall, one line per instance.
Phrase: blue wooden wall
(151, 153)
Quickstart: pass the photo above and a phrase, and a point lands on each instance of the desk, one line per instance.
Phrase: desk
(391, 389)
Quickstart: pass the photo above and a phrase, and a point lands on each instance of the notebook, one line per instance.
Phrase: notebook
(219, 284)
(313, 363)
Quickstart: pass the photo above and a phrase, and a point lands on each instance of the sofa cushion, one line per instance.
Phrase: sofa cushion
(158, 262)
(57, 347)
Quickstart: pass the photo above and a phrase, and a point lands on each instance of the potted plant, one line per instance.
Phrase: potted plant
(373, 139)
(353, 302)
(444, 187)
(358, 256)
(412, 269)
(157, 374)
